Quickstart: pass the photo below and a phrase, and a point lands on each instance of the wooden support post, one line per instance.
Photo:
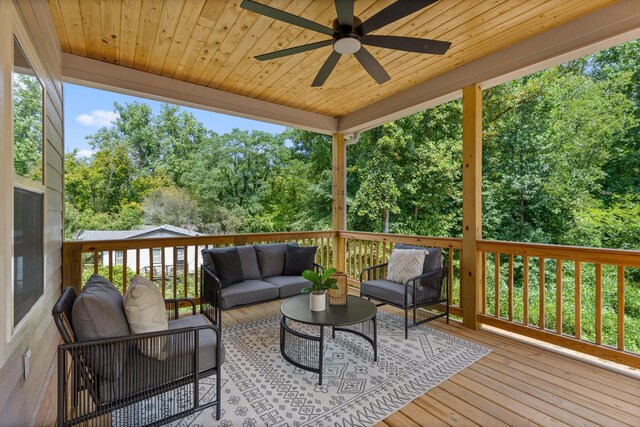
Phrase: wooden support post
(72, 265)
(470, 279)
(339, 196)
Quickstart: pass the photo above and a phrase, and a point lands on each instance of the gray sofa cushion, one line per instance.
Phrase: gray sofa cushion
(298, 259)
(249, 261)
(271, 258)
(247, 292)
(288, 285)
(142, 372)
(226, 265)
(97, 313)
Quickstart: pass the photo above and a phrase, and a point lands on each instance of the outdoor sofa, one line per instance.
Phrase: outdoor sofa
(240, 276)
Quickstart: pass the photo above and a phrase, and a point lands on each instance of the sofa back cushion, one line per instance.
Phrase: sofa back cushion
(98, 313)
(226, 265)
(146, 312)
(271, 258)
(298, 259)
(249, 262)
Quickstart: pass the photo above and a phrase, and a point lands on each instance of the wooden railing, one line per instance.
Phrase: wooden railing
(172, 262)
(367, 249)
(570, 296)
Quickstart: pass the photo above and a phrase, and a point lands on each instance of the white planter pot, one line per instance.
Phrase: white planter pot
(318, 301)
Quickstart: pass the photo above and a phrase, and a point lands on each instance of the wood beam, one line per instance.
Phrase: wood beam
(470, 279)
(591, 33)
(116, 78)
(339, 199)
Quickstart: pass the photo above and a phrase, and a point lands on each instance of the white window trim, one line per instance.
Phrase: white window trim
(16, 29)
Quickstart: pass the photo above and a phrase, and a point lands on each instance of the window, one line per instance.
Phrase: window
(28, 199)
(157, 256)
(180, 258)
(119, 257)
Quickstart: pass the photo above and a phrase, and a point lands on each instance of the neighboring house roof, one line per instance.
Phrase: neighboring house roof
(144, 233)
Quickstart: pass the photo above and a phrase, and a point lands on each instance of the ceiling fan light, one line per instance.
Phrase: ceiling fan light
(347, 45)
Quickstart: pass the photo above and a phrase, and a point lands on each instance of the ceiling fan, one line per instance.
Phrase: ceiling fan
(349, 35)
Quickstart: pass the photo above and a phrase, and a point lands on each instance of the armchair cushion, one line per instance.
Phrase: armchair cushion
(288, 285)
(271, 258)
(98, 312)
(392, 292)
(226, 265)
(432, 262)
(146, 312)
(249, 262)
(405, 264)
(142, 373)
(247, 292)
(298, 259)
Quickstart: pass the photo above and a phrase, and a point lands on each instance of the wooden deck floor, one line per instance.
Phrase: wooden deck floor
(517, 384)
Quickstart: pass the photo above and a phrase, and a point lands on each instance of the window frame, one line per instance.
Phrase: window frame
(22, 39)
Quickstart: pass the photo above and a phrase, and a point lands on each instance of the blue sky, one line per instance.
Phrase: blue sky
(86, 110)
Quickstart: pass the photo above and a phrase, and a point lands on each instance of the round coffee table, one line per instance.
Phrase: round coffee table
(303, 349)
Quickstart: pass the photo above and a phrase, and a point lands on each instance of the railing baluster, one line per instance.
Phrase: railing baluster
(185, 279)
(525, 290)
(95, 262)
(484, 281)
(163, 273)
(460, 282)
(359, 267)
(175, 270)
(496, 261)
(578, 299)
(599, 304)
(558, 296)
(137, 261)
(621, 308)
(124, 270)
(510, 287)
(541, 320)
(111, 266)
(450, 289)
(151, 264)
(371, 254)
(196, 267)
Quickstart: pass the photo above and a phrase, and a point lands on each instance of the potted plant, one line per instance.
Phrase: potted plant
(319, 284)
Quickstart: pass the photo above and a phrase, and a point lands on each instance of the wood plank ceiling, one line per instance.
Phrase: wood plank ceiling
(212, 43)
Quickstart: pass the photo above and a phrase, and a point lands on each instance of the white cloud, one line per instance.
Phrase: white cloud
(84, 154)
(97, 118)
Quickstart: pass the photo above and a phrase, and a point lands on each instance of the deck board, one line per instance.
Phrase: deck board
(517, 384)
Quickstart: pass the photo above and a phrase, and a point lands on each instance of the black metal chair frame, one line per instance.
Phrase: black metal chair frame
(214, 298)
(414, 282)
(84, 378)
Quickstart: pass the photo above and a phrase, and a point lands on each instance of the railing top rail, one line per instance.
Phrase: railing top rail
(621, 257)
(223, 239)
(443, 242)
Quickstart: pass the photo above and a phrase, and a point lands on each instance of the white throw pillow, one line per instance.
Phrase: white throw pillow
(405, 264)
(145, 310)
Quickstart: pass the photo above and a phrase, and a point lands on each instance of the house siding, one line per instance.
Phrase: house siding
(20, 398)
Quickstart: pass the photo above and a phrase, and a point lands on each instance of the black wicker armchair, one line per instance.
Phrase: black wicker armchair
(417, 295)
(88, 390)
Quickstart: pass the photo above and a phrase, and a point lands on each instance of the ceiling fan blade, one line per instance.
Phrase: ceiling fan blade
(283, 16)
(344, 8)
(409, 44)
(392, 13)
(293, 50)
(326, 69)
(372, 65)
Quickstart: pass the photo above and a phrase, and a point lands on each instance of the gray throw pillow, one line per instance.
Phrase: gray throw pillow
(271, 258)
(249, 261)
(226, 265)
(98, 313)
(298, 259)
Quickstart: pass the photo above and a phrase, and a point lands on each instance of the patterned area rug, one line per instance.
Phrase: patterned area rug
(261, 389)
